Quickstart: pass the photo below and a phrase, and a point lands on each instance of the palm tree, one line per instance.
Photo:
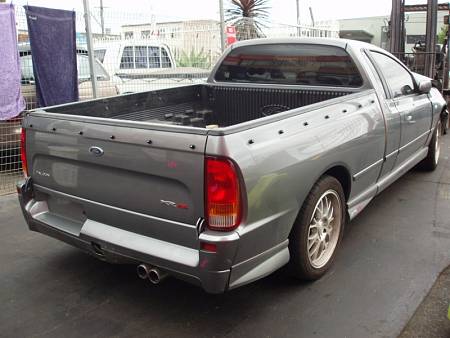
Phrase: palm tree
(249, 17)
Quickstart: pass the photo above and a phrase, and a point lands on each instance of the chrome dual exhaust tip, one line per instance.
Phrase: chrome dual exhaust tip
(142, 271)
(155, 275)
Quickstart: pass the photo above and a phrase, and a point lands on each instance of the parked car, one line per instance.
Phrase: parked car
(106, 85)
(144, 65)
(131, 58)
(222, 183)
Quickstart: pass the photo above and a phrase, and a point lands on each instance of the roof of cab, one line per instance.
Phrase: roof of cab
(343, 43)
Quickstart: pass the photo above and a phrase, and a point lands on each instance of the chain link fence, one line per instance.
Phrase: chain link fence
(133, 52)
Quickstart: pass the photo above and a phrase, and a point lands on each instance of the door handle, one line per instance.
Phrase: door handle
(409, 119)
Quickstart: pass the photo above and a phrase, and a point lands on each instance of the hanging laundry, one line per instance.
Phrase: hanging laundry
(11, 100)
(53, 51)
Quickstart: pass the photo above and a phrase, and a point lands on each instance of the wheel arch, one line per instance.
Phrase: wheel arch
(337, 170)
(342, 174)
(299, 233)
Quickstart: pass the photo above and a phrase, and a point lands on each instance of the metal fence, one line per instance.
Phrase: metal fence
(10, 164)
(134, 52)
(417, 61)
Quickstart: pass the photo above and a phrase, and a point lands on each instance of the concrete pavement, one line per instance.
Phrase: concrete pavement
(431, 318)
(389, 259)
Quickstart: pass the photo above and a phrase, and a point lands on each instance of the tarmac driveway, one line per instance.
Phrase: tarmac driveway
(390, 257)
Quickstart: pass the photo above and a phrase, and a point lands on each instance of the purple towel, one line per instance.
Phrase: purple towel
(53, 51)
(11, 100)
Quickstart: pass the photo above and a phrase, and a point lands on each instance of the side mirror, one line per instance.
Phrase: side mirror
(406, 90)
(424, 86)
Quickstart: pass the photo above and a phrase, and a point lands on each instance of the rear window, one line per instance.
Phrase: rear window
(291, 64)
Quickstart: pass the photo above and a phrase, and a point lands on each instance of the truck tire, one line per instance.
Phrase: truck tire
(318, 230)
(445, 121)
(434, 149)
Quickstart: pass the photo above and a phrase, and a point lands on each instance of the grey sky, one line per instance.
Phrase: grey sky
(284, 11)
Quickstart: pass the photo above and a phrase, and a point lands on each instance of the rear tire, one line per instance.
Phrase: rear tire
(434, 150)
(445, 122)
(318, 230)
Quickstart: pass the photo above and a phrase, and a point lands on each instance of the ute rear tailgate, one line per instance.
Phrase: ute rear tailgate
(93, 172)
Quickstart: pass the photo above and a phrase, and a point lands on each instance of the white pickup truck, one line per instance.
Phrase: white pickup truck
(143, 65)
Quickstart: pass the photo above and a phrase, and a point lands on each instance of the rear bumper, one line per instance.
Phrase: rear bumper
(210, 281)
(116, 245)
(214, 272)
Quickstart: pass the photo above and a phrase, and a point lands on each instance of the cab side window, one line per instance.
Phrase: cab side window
(165, 59)
(398, 78)
(100, 54)
(144, 57)
(140, 57)
(154, 58)
(127, 61)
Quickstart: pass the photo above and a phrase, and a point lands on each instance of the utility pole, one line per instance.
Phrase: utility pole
(395, 29)
(312, 16)
(102, 18)
(430, 35)
(447, 56)
(222, 26)
(87, 19)
(298, 19)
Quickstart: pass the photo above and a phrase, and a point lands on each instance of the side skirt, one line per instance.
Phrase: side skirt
(358, 203)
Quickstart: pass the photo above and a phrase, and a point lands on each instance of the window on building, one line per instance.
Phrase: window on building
(26, 66)
(128, 35)
(412, 39)
(146, 34)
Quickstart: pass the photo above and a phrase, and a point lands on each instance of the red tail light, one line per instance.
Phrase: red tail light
(223, 203)
(23, 151)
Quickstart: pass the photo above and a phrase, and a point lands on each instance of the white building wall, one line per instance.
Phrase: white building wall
(415, 25)
(372, 25)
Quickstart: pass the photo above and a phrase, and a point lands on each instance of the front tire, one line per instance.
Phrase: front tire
(318, 230)
(434, 150)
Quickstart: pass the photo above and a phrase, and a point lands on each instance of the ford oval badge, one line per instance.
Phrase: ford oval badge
(96, 151)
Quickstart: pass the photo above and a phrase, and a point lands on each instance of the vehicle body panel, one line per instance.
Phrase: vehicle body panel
(117, 183)
(145, 175)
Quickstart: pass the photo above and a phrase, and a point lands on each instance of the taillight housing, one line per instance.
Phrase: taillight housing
(223, 201)
(23, 151)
